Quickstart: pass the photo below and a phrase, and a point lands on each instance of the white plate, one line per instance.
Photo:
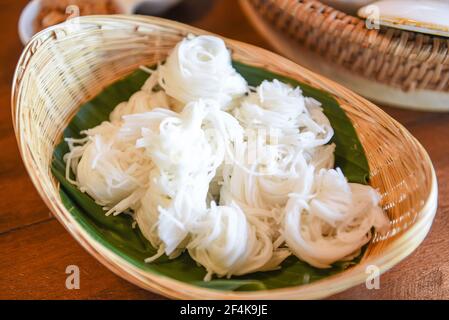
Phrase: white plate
(424, 16)
(348, 6)
(26, 28)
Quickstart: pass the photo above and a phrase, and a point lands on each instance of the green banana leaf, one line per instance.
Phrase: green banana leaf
(118, 235)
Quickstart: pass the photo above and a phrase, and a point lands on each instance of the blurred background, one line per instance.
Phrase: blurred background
(388, 65)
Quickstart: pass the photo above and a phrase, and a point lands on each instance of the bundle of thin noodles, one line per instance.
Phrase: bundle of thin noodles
(200, 67)
(178, 147)
(273, 104)
(291, 118)
(144, 100)
(110, 171)
(186, 156)
(285, 131)
(220, 240)
(328, 219)
(227, 243)
(166, 220)
(140, 102)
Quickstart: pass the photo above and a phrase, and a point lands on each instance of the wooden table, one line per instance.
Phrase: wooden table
(35, 249)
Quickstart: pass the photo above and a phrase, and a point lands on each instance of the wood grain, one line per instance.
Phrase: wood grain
(35, 250)
(32, 276)
(20, 204)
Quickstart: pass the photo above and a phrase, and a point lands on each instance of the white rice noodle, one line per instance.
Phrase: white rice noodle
(164, 220)
(276, 106)
(200, 68)
(227, 244)
(327, 219)
(186, 156)
(143, 101)
(106, 169)
(321, 157)
(302, 133)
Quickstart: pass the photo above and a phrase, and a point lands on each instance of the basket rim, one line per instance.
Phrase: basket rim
(177, 289)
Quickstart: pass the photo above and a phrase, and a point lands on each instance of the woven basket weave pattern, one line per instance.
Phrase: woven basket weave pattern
(402, 59)
(67, 65)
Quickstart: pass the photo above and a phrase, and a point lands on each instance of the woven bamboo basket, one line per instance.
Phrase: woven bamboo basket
(66, 65)
(391, 66)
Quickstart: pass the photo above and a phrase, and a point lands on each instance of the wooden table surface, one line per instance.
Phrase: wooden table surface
(35, 249)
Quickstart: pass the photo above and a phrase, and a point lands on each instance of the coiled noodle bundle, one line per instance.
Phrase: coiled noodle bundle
(227, 243)
(106, 169)
(288, 132)
(200, 68)
(186, 159)
(328, 219)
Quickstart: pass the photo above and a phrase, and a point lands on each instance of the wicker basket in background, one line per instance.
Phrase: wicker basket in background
(66, 65)
(391, 66)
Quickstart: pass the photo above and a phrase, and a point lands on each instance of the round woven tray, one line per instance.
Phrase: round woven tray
(390, 66)
(66, 65)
